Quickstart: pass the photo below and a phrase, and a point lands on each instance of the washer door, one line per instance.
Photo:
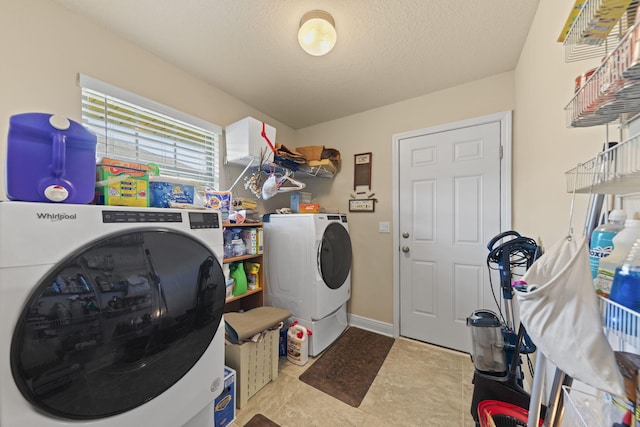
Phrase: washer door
(117, 323)
(334, 256)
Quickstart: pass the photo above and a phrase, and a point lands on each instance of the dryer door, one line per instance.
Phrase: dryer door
(117, 323)
(334, 256)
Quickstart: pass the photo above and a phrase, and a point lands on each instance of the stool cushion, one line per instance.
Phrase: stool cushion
(242, 326)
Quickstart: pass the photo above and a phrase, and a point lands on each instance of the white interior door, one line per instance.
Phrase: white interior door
(449, 185)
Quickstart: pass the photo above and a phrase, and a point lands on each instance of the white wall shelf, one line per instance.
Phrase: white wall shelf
(612, 90)
(614, 171)
(586, 37)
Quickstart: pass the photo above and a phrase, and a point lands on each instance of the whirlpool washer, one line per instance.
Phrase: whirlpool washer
(110, 316)
(308, 268)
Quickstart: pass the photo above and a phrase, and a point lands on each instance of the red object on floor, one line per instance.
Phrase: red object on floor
(490, 411)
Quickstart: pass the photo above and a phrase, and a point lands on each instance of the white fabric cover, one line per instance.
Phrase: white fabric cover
(563, 319)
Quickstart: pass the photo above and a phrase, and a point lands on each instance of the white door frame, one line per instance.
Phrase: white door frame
(505, 120)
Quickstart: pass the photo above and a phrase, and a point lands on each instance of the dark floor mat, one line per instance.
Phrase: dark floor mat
(260, 420)
(349, 366)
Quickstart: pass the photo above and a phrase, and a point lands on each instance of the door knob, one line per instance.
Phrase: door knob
(405, 235)
(405, 249)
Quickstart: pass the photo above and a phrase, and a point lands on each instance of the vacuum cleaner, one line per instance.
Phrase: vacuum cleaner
(497, 345)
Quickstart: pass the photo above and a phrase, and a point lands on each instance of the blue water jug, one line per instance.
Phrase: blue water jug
(625, 289)
(601, 244)
(50, 159)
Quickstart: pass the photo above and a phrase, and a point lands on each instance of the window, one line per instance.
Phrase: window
(135, 129)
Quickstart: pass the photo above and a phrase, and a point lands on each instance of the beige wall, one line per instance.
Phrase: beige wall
(44, 47)
(372, 131)
(544, 146)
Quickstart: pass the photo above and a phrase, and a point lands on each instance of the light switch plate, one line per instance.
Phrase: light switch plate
(383, 227)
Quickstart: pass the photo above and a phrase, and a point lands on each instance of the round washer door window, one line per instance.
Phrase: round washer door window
(117, 323)
(335, 255)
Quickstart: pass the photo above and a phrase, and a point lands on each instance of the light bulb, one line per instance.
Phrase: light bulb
(317, 34)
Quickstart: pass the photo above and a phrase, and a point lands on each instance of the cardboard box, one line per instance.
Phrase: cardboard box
(121, 183)
(245, 142)
(250, 238)
(260, 242)
(224, 410)
(309, 208)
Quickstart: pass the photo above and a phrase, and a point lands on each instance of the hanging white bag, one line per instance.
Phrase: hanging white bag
(562, 318)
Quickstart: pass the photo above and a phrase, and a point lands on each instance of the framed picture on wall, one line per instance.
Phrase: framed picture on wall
(362, 170)
(362, 205)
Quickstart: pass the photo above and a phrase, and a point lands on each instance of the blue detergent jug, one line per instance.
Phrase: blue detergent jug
(50, 159)
(625, 289)
(601, 244)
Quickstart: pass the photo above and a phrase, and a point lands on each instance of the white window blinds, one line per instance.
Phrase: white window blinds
(135, 129)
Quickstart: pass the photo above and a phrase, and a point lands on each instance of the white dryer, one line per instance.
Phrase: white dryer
(308, 268)
(110, 316)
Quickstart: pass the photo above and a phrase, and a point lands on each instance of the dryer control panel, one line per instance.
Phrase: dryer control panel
(140, 216)
(197, 220)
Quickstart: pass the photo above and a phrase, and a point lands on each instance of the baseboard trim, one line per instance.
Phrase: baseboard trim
(372, 325)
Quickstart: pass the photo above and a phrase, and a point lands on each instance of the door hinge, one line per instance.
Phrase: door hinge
(500, 153)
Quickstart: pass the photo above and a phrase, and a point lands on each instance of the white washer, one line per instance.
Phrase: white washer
(110, 316)
(308, 268)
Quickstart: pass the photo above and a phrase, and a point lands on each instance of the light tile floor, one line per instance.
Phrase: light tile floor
(418, 385)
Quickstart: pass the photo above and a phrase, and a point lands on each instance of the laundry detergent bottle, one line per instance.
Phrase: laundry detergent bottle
(622, 243)
(298, 344)
(601, 244)
(625, 289)
(239, 277)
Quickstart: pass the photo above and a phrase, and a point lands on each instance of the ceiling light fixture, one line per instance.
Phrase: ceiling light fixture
(317, 34)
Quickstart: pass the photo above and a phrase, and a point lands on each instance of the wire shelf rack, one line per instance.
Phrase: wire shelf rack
(621, 325)
(588, 35)
(581, 409)
(610, 91)
(614, 171)
(584, 409)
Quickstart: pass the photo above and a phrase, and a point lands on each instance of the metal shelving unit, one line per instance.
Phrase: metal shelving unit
(614, 171)
(581, 409)
(621, 325)
(612, 90)
(609, 93)
(587, 38)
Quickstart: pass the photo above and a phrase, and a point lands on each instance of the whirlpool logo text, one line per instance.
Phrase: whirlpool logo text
(56, 217)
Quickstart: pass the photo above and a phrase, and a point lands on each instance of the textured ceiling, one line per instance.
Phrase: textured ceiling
(387, 50)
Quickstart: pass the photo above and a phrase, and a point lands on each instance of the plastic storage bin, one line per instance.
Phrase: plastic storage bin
(50, 159)
(245, 141)
(255, 363)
